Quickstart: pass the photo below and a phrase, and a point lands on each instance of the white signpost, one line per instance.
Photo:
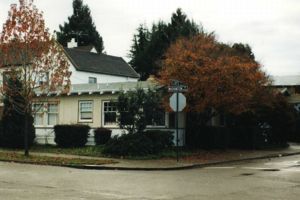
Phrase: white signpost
(177, 103)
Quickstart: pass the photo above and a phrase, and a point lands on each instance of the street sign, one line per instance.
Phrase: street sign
(181, 102)
(177, 103)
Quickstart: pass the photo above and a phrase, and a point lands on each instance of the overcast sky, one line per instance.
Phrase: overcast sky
(270, 27)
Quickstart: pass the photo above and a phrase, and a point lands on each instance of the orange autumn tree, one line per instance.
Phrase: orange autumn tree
(31, 56)
(219, 78)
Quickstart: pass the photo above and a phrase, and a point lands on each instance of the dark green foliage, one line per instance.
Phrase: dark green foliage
(138, 144)
(81, 27)
(243, 50)
(279, 118)
(208, 137)
(71, 135)
(13, 120)
(267, 125)
(102, 135)
(147, 51)
(137, 109)
(160, 139)
(249, 137)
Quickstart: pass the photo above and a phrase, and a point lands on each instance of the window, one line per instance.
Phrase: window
(86, 111)
(157, 118)
(109, 113)
(92, 80)
(52, 114)
(172, 120)
(45, 114)
(38, 114)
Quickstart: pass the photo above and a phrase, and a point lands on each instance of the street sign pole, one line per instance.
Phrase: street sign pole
(177, 139)
(177, 87)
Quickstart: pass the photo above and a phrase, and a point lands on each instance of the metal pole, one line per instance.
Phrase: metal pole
(177, 140)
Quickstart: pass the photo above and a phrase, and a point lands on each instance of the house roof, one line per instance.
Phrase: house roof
(99, 63)
(286, 80)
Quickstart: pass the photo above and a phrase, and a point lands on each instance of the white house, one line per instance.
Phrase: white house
(96, 80)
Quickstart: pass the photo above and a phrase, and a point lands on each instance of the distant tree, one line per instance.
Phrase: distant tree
(149, 46)
(219, 78)
(243, 50)
(29, 54)
(138, 49)
(137, 109)
(81, 27)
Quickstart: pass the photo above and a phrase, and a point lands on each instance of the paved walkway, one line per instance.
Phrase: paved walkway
(201, 159)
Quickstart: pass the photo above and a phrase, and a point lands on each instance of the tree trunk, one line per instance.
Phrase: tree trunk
(26, 153)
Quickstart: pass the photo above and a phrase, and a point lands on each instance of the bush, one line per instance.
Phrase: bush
(13, 119)
(138, 144)
(160, 139)
(12, 131)
(71, 135)
(101, 135)
(209, 137)
(249, 137)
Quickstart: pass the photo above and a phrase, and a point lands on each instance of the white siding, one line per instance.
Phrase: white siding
(79, 77)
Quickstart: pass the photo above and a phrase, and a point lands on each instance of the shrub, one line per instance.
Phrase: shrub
(160, 139)
(12, 131)
(71, 135)
(138, 144)
(208, 137)
(102, 135)
(13, 119)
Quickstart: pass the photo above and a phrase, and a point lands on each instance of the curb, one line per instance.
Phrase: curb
(191, 166)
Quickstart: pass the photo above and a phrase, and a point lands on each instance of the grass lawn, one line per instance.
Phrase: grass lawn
(93, 151)
(49, 160)
(96, 151)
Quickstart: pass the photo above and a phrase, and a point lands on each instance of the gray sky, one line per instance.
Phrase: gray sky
(270, 27)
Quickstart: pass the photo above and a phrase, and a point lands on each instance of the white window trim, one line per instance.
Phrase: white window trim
(57, 114)
(79, 112)
(102, 116)
(45, 114)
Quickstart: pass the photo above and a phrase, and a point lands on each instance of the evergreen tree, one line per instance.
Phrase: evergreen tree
(140, 42)
(147, 51)
(12, 129)
(243, 50)
(81, 27)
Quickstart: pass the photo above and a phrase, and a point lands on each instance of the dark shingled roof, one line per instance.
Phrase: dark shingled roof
(99, 63)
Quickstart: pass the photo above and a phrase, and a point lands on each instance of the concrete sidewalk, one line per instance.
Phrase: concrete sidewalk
(201, 159)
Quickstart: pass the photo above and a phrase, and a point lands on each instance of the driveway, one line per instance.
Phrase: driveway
(262, 179)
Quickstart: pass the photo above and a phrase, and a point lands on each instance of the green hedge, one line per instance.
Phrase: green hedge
(208, 137)
(71, 135)
(102, 135)
(12, 131)
(139, 144)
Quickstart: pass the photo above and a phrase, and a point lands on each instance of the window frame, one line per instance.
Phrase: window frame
(160, 126)
(45, 114)
(40, 111)
(92, 78)
(55, 113)
(79, 111)
(115, 125)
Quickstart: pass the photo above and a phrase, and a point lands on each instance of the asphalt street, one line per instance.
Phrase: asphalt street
(261, 179)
